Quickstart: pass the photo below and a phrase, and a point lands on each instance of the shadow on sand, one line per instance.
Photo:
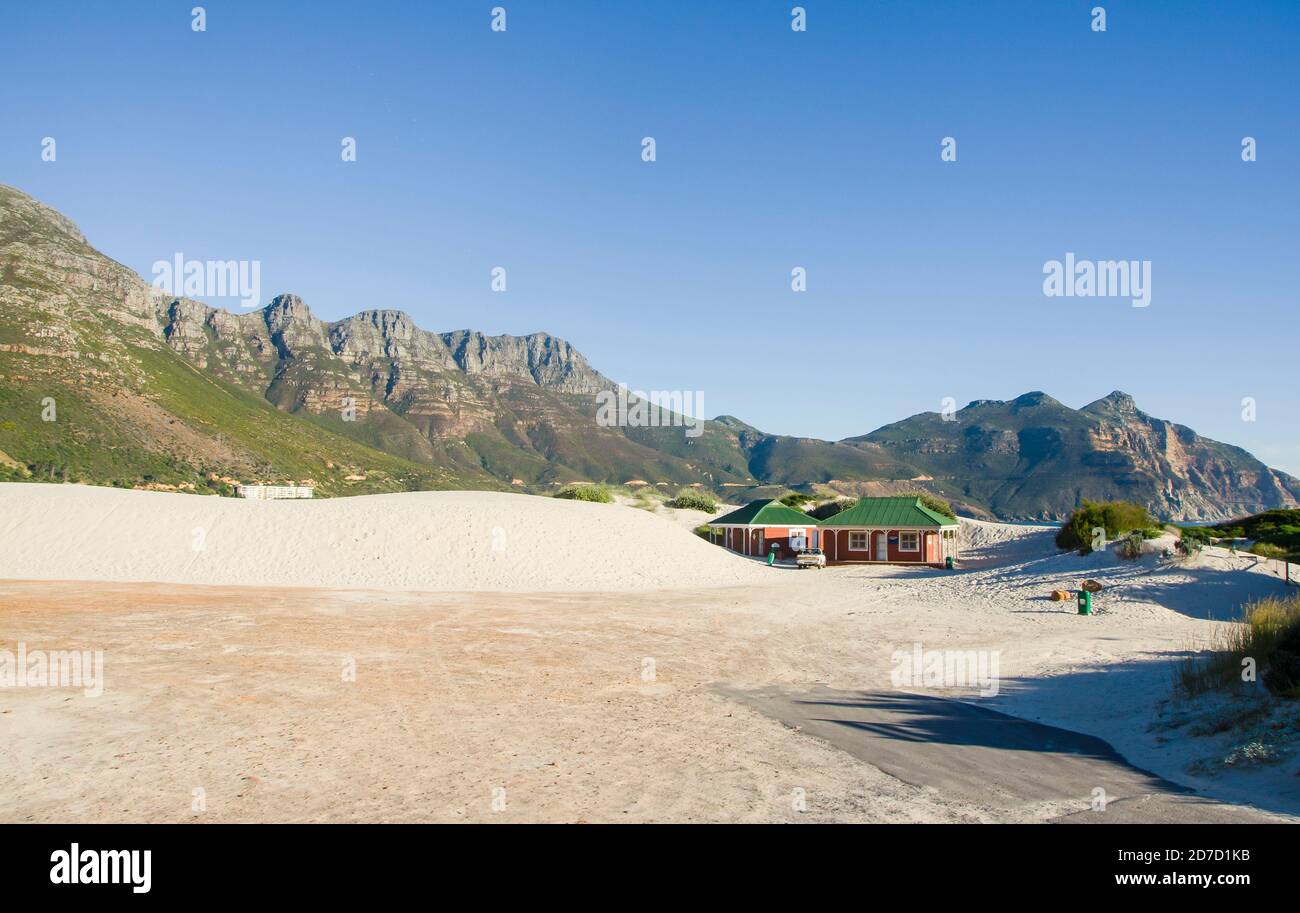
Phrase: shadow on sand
(968, 751)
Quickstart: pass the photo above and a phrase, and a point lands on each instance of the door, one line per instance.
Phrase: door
(882, 546)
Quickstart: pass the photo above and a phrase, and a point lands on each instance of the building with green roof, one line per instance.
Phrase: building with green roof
(764, 526)
(894, 530)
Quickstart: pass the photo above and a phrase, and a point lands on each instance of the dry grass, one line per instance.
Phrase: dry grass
(1268, 634)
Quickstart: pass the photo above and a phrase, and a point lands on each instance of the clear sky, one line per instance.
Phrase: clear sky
(775, 149)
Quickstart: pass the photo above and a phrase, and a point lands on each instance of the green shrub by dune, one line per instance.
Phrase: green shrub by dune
(597, 493)
(693, 500)
(1115, 517)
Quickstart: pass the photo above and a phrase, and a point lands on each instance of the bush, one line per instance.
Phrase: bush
(829, 509)
(597, 493)
(1131, 546)
(693, 500)
(1115, 517)
(934, 502)
(1192, 539)
(795, 498)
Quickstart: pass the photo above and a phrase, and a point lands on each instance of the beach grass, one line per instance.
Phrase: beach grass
(1264, 646)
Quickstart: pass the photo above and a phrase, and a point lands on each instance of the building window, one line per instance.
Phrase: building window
(857, 542)
(909, 542)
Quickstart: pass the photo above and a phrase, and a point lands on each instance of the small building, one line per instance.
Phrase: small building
(899, 530)
(763, 525)
(262, 492)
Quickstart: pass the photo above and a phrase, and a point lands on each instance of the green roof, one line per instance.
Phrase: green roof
(893, 512)
(765, 513)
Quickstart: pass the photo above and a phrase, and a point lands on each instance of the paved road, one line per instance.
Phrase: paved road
(987, 758)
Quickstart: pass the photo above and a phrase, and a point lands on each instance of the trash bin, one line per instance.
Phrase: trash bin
(771, 557)
(947, 562)
(1085, 602)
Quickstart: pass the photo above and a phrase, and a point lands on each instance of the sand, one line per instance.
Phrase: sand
(428, 541)
(581, 706)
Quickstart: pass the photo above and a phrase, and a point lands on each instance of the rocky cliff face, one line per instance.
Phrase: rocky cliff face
(446, 385)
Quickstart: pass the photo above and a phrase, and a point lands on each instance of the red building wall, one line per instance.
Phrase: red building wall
(838, 550)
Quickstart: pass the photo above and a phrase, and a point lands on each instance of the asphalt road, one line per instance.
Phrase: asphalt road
(986, 758)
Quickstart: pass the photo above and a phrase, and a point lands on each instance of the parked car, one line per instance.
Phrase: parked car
(811, 557)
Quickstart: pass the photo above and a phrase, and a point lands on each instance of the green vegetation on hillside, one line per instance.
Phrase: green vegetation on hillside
(1115, 517)
(184, 426)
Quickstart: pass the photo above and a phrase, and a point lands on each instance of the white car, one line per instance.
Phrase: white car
(811, 557)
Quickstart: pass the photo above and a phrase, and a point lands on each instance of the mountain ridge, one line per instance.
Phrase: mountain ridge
(169, 391)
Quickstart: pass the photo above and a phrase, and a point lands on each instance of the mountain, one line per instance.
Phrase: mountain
(142, 388)
(1033, 457)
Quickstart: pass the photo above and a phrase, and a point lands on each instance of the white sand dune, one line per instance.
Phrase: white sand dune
(437, 541)
(984, 543)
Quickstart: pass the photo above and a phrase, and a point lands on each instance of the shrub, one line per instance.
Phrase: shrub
(693, 500)
(1115, 517)
(597, 493)
(829, 509)
(934, 502)
(1130, 546)
(795, 498)
(1192, 539)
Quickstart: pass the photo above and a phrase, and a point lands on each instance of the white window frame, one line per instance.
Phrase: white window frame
(909, 532)
(866, 541)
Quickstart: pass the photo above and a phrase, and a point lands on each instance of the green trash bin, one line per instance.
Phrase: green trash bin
(1085, 602)
(771, 557)
(947, 562)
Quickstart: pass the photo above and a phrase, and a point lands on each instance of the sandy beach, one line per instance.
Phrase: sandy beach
(379, 659)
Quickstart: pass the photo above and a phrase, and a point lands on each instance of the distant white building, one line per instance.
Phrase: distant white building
(261, 492)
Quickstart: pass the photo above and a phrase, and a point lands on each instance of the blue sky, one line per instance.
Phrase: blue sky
(775, 149)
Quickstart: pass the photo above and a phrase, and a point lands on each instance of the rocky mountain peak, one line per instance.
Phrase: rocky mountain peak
(292, 326)
(1115, 402)
(1034, 398)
